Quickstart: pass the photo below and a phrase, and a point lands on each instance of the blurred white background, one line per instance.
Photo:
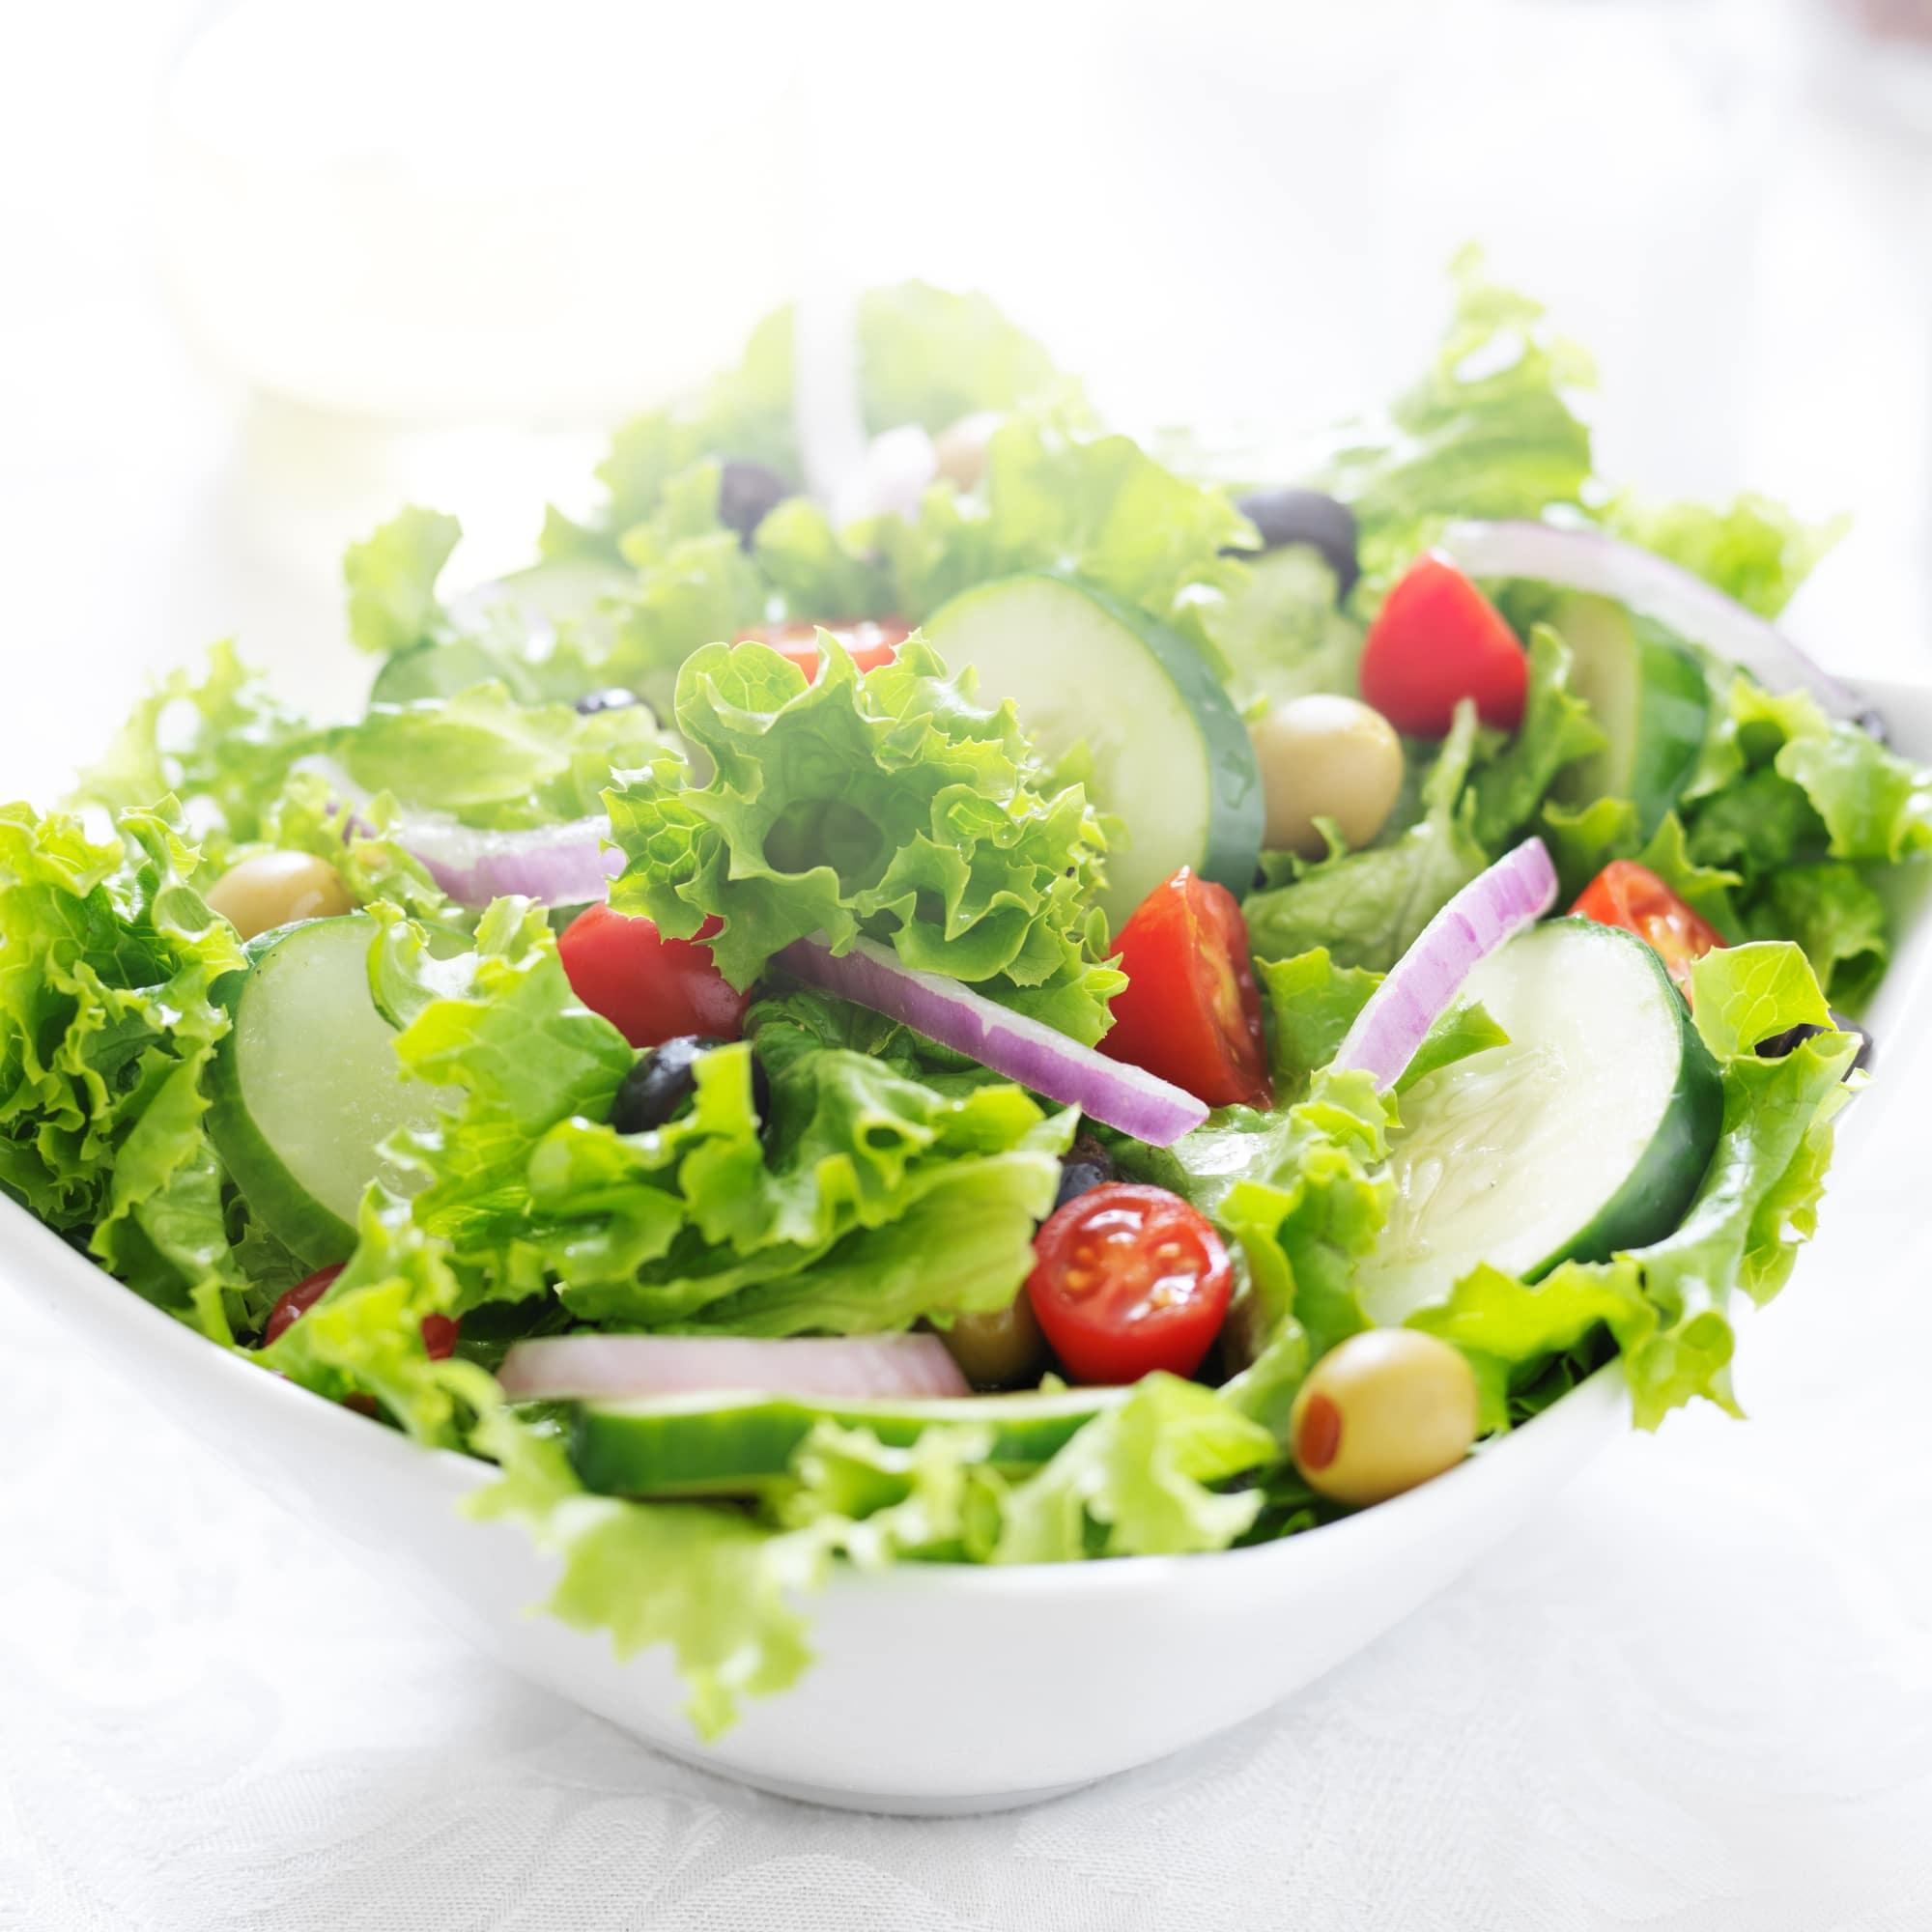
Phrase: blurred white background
(272, 266)
(266, 270)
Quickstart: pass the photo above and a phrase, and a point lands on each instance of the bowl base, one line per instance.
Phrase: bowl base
(893, 1804)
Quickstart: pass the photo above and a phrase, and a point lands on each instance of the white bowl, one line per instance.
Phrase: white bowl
(936, 1689)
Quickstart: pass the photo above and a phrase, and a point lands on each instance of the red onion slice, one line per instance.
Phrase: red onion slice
(1023, 1049)
(1422, 985)
(1605, 566)
(596, 1368)
(562, 864)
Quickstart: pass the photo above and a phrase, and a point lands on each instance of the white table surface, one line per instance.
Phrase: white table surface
(1697, 1693)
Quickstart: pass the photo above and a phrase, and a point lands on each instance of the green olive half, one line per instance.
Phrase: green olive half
(1380, 1412)
(999, 1350)
(1325, 756)
(275, 888)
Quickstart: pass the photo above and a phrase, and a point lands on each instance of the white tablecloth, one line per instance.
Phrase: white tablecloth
(1696, 1694)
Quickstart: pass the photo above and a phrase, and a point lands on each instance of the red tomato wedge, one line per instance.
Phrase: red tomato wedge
(1191, 1013)
(1126, 1280)
(1436, 640)
(439, 1332)
(649, 987)
(871, 641)
(296, 1303)
(1631, 895)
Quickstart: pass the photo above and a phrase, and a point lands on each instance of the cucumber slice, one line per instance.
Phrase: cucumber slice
(1586, 1134)
(739, 1444)
(1650, 696)
(1171, 757)
(306, 1085)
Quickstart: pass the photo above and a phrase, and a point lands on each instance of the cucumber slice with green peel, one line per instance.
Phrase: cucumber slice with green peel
(1650, 696)
(305, 1085)
(1171, 757)
(734, 1444)
(1589, 1133)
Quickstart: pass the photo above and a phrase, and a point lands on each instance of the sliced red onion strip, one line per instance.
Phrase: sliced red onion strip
(1422, 985)
(1023, 1049)
(593, 1368)
(1605, 566)
(560, 864)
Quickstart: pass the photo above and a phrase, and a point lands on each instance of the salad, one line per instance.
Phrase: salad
(994, 998)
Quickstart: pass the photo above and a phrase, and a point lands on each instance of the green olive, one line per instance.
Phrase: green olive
(1380, 1412)
(999, 1350)
(1325, 756)
(961, 448)
(275, 888)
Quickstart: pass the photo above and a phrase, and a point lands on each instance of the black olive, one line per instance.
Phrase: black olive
(1781, 1043)
(747, 493)
(1085, 1166)
(661, 1082)
(617, 698)
(1306, 516)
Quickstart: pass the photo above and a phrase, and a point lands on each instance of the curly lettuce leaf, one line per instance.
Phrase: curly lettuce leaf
(1754, 550)
(1138, 1481)
(1841, 923)
(709, 1582)
(1809, 780)
(1583, 840)
(493, 761)
(1488, 430)
(867, 1197)
(1058, 498)
(888, 806)
(364, 1335)
(1367, 907)
(221, 744)
(1804, 812)
(1312, 1003)
(1557, 730)
(854, 1496)
(870, 1199)
(500, 1026)
(816, 572)
(391, 575)
(1302, 1192)
(927, 355)
(357, 840)
(930, 356)
(109, 1014)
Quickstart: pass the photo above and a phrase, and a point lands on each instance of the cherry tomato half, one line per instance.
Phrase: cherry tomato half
(872, 642)
(1439, 640)
(1191, 1013)
(1128, 1279)
(1628, 894)
(649, 987)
